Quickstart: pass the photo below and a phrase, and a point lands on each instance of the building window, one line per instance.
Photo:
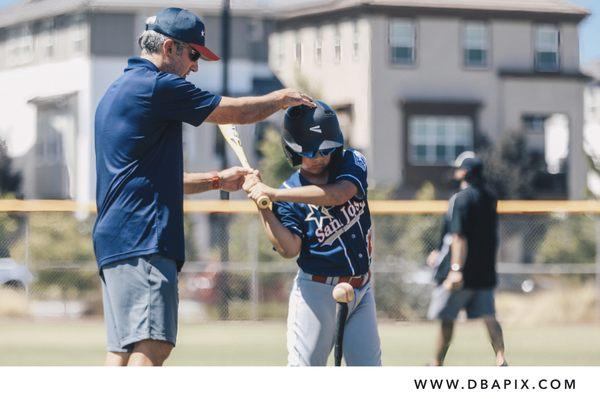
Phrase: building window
(548, 137)
(298, 51)
(476, 43)
(355, 41)
(547, 40)
(46, 38)
(78, 33)
(402, 42)
(337, 46)
(436, 140)
(534, 123)
(279, 51)
(20, 45)
(319, 48)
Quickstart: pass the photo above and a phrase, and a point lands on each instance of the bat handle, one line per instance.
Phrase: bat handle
(342, 314)
(263, 202)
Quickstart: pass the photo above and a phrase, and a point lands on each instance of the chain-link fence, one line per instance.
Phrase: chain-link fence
(547, 263)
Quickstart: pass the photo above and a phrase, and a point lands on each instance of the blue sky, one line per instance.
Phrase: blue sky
(590, 29)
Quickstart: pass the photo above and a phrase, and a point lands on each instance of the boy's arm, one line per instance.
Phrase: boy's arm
(337, 193)
(286, 243)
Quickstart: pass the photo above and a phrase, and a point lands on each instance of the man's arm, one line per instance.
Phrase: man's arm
(459, 250)
(454, 280)
(245, 110)
(337, 193)
(286, 243)
(194, 183)
(229, 180)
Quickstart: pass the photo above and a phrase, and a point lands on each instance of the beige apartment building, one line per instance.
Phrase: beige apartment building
(418, 82)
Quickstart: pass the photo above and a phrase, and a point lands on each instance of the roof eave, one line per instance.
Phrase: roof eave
(367, 7)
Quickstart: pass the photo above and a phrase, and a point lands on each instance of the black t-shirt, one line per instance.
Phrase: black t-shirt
(474, 217)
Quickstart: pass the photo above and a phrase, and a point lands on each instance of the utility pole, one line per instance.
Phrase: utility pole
(223, 219)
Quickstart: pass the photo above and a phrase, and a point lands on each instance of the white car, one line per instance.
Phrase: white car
(14, 275)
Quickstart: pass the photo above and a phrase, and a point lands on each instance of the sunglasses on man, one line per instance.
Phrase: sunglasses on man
(193, 54)
(318, 153)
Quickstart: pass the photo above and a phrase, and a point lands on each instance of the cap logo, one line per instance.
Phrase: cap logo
(316, 129)
(202, 33)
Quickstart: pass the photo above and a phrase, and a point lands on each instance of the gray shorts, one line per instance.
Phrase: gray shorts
(445, 305)
(140, 299)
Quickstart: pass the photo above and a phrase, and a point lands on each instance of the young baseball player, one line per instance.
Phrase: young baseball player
(320, 214)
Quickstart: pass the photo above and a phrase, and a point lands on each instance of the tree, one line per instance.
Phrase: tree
(274, 166)
(11, 224)
(510, 167)
(9, 181)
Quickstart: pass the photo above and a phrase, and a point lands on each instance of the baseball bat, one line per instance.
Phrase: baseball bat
(232, 137)
(342, 314)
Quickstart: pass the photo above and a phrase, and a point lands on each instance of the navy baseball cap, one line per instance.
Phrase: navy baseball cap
(185, 26)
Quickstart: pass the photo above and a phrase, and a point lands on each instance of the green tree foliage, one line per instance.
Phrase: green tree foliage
(59, 239)
(510, 168)
(407, 238)
(570, 239)
(11, 225)
(403, 242)
(9, 180)
(274, 167)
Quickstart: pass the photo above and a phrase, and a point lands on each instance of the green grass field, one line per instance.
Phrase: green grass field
(263, 344)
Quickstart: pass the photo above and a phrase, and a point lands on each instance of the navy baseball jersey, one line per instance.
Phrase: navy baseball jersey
(336, 240)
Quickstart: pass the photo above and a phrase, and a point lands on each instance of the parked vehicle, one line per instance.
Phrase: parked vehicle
(14, 275)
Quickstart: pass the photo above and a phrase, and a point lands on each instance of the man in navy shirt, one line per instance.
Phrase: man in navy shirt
(321, 214)
(138, 235)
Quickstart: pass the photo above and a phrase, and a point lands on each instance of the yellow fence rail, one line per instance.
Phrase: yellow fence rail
(378, 207)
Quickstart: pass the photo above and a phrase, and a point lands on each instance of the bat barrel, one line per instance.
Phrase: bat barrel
(342, 314)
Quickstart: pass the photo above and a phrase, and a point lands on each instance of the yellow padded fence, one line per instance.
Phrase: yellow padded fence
(378, 207)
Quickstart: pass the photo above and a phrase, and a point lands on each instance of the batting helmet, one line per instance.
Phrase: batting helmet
(308, 132)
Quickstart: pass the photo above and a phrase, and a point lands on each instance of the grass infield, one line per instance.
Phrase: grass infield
(263, 344)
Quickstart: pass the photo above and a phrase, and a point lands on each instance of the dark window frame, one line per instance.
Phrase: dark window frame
(415, 175)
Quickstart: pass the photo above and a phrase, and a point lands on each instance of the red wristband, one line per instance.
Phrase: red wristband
(215, 182)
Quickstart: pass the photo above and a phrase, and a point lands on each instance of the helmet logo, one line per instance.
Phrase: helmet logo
(316, 129)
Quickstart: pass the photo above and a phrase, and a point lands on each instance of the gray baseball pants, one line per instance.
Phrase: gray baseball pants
(311, 325)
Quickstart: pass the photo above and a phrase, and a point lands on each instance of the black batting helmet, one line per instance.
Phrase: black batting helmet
(307, 130)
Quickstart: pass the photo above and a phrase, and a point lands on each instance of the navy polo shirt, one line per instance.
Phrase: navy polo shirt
(139, 162)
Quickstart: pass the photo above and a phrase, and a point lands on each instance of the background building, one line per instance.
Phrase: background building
(60, 56)
(419, 83)
(414, 84)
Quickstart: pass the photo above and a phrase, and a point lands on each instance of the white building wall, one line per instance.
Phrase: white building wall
(18, 121)
(592, 131)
